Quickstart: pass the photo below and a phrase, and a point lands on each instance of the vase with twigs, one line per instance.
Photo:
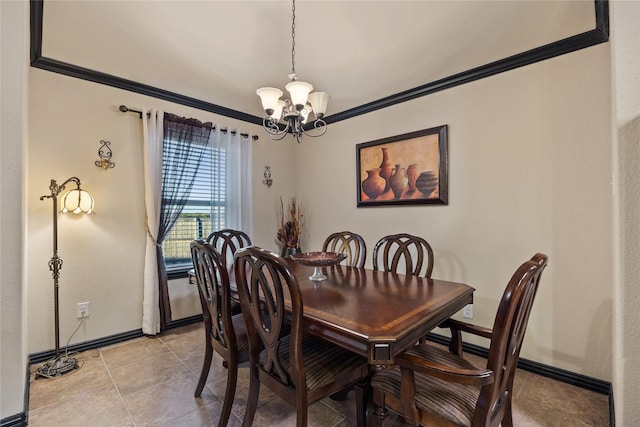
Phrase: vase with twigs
(290, 226)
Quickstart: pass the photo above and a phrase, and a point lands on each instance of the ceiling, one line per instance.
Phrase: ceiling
(220, 52)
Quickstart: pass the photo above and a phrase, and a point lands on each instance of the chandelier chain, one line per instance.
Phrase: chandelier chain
(293, 41)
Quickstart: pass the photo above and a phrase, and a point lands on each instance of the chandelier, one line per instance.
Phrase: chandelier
(294, 112)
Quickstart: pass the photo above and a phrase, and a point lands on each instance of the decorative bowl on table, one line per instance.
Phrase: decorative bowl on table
(317, 260)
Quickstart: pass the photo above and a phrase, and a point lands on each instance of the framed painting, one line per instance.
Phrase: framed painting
(408, 169)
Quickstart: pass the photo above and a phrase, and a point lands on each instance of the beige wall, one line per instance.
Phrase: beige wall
(626, 135)
(530, 170)
(103, 253)
(13, 86)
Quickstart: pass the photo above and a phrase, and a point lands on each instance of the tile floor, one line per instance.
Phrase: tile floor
(150, 382)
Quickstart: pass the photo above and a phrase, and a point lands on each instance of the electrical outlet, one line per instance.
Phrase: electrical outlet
(467, 311)
(83, 310)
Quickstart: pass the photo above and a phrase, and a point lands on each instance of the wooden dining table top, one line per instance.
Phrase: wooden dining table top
(374, 313)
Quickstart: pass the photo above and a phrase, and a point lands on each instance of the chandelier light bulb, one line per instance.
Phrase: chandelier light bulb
(269, 97)
(277, 114)
(319, 101)
(299, 92)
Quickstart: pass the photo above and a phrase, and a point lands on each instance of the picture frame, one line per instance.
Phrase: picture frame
(407, 169)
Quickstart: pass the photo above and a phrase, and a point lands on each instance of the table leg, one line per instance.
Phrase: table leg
(362, 390)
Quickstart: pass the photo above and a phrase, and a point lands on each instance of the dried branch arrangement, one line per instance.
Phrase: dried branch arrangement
(290, 227)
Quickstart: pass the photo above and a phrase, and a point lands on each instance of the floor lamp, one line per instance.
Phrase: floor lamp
(76, 201)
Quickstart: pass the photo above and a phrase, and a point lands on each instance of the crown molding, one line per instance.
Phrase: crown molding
(600, 34)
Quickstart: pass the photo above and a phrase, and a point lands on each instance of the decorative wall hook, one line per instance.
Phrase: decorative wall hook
(105, 153)
(267, 176)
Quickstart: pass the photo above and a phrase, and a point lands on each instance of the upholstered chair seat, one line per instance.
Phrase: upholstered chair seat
(447, 400)
(324, 363)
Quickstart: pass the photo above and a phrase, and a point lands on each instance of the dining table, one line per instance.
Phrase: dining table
(376, 314)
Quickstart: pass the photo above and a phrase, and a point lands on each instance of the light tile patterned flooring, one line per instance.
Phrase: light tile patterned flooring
(150, 382)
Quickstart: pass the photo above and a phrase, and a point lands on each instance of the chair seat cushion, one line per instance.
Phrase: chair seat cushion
(240, 327)
(324, 363)
(453, 402)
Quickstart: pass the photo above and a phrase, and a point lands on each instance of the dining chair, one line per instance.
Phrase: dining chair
(225, 332)
(348, 243)
(227, 242)
(435, 387)
(415, 251)
(294, 364)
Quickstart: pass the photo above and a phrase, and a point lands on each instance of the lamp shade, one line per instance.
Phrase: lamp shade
(269, 97)
(277, 114)
(299, 92)
(319, 101)
(77, 201)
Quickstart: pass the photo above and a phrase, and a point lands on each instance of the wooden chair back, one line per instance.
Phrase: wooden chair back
(263, 280)
(348, 243)
(215, 295)
(297, 366)
(225, 331)
(393, 252)
(507, 336)
(227, 242)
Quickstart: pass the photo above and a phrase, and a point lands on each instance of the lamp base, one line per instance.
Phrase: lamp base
(57, 367)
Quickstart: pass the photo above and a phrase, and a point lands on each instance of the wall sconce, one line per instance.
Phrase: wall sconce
(77, 201)
(267, 176)
(105, 153)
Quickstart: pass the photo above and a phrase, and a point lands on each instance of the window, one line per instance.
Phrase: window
(204, 211)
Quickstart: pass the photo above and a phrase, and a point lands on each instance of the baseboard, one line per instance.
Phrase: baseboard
(18, 420)
(21, 419)
(183, 322)
(557, 374)
(87, 345)
(612, 409)
(110, 340)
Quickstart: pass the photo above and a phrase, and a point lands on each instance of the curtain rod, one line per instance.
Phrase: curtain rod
(126, 109)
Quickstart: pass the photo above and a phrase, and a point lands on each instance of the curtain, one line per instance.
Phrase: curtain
(239, 200)
(152, 123)
(173, 151)
(185, 145)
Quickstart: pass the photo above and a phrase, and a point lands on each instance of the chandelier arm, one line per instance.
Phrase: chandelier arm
(318, 125)
(277, 136)
(273, 130)
(272, 127)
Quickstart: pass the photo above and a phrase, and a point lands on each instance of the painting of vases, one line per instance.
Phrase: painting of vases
(404, 170)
